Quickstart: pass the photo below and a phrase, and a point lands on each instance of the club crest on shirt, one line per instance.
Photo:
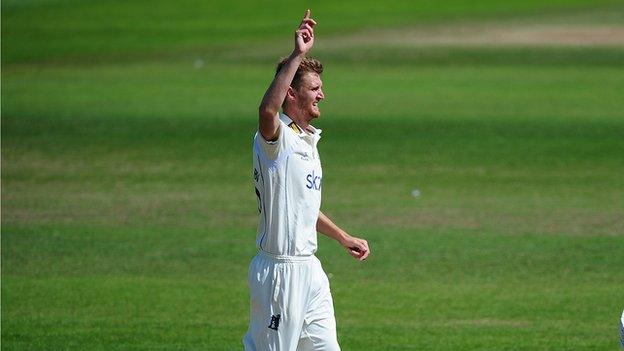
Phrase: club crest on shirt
(275, 320)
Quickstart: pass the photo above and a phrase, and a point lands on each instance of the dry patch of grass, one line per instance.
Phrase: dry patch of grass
(600, 26)
(493, 34)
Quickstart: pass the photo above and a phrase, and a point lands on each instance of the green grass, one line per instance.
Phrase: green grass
(177, 289)
(128, 215)
(86, 31)
(129, 225)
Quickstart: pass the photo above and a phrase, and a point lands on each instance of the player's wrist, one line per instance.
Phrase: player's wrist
(297, 54)
(345, 239)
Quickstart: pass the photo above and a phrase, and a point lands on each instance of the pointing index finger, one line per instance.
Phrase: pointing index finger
(309, 21)
(307, 14)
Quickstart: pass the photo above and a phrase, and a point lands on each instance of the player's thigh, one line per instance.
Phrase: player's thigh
(319, 335)
(319, 329)
(277, 310)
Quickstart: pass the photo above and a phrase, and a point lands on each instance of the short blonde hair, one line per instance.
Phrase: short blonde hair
(306, 65)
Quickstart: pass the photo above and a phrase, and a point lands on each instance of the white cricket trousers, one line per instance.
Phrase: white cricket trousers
(291, 305)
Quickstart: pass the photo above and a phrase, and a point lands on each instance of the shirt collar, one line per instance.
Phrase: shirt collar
(289, 122)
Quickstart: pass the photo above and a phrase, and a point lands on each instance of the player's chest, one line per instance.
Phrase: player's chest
(304, 167)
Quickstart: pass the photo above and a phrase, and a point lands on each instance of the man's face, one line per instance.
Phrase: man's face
(309, 94)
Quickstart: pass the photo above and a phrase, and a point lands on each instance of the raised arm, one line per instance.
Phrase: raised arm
(275, 94)
(358, 248)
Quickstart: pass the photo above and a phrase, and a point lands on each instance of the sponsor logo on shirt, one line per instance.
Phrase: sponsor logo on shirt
(314, 181)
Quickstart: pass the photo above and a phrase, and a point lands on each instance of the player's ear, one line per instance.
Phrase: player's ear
(290, 94)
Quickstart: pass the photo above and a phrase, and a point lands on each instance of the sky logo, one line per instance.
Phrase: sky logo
(314, 181)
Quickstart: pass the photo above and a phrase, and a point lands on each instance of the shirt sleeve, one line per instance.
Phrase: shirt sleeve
(276, 150)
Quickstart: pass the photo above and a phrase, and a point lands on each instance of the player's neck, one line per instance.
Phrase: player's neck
(301, 121)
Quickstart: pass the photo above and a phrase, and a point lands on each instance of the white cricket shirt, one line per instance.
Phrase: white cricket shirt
(287, 178)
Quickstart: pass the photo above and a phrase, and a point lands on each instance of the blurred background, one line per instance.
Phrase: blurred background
(477, 145)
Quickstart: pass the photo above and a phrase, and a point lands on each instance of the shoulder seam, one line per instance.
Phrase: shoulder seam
(272, 164)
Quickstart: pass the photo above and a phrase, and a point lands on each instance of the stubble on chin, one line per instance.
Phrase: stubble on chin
(312, 112)
(315, 112)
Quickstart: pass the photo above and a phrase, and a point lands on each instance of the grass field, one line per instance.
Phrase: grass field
(128, 214)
